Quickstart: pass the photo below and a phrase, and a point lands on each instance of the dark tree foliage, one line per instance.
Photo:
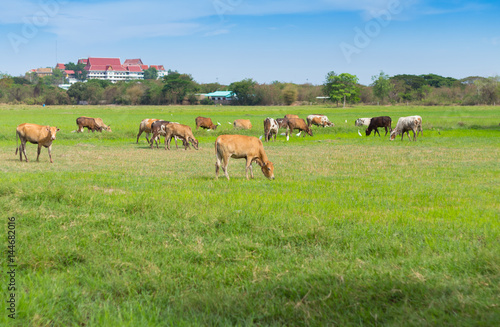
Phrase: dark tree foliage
(177, 86)
(244, 92)
(151, 73)
(80, 72)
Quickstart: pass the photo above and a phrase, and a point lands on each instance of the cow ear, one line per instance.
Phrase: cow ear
(57, 130)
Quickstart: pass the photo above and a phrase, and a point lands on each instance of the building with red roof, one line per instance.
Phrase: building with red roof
(113, 70)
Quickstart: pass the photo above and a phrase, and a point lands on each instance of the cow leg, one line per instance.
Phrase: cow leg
(38, 151)
(225, 163)
(248, 167)
(385, 131)
(175, 140)
(140, 132)
(22, 149)
(50, 153)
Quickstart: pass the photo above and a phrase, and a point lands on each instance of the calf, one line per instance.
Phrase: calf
(181, 131)
(297, 123)
(376, 122)
(242, 124)
(282, 122)
(362, 121)
(35, 134)
(145, 126)
(270, 127)
(101, 124)
(319, 120)
(158, 128)
(238, 147)
(89, 123)
(405, 125)
(205, 123)
(291, 116)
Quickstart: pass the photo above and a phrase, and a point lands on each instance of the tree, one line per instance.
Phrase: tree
(381, 86)
(244, 92)
(290, 95)
(488, 89)
(151, 73)
(79, 69)
(177, 86)
(343, 86)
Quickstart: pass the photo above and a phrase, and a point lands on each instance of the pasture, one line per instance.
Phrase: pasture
(353, 230)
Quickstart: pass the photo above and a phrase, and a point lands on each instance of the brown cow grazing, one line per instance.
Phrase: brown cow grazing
(375, 122)
(242, 124)
(101, 124)
(319, 120)
(297, 123)
(270, 128)
(89, 123)
(36, 134)
(291, 116)
(181, 131)
(205, 123)
(145, 126)
(158, 128)
(241, 146)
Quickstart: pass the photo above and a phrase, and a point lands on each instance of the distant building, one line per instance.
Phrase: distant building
(67, 74)
(41, 72)
(220, 97)
(112, 70)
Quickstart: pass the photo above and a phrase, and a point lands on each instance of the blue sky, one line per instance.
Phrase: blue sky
(229, 40)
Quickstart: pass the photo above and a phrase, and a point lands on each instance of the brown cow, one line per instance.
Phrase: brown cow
(319, 120)
(291, 116)
(145, 126)
(89, 123)
(158, 128)
(242, 124)
(298, 123)
(101, 124)
(36, 134)
(181, 131)
(241, 146)
(205, 123)
(376, 122)
(282, 122)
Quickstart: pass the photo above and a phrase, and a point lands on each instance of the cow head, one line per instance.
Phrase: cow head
(268, 169)
(214, 127)
(52, 132)
(368, 132)
(393, 135)
(309, 131)
(108, 128)
(194, 142)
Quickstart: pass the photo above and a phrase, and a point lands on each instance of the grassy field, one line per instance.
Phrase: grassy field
(354, 230)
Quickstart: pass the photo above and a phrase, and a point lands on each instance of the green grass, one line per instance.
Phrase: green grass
(353, 231)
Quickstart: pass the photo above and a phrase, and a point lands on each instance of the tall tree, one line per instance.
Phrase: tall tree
(177, 86)
(244, 92)
(343, 86)
(151, 73)
(79, 69)
(381, 86)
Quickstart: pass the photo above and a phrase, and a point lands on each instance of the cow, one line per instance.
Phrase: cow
(35, 134)
(282, 122)
(297, 123)
(419, 129)
(89, 123)
(238, 147)
(376, 122)
(291, 116)
(405, 125)
(101, 124)
(181, 131)
(205, 123)
(362, 121)
(319, 120)
(270, 127)
(242, 124)
(145, 126)
(158, 128)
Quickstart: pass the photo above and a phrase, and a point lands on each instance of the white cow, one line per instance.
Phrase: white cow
(362, 121)
(405, 125)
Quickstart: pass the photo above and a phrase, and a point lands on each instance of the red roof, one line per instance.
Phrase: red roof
(158, 67)
(104, 61)
(133, 62)
(61, 66)
(82, 61)
(144, 67)
(69, 72)
(134, 68)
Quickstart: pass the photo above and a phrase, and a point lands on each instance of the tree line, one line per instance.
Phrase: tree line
(177, 88)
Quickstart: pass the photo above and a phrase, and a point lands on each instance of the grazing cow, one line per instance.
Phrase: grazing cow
(181, 131)
(298, 123)
(89, 123)
(101, 124)
(158, 128)
(242, 146)
(35, 134)
(270, 127)
(405, 125)
(319, 120)
(376, 122)
(282, 122)
(419, 128)
(291, 116)
(242, 124)
(362, 121)
(145, 126)
(205, 123)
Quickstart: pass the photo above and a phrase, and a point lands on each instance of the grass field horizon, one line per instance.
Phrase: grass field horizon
(353, 231)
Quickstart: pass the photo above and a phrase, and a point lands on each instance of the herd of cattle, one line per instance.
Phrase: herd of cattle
(234, 146)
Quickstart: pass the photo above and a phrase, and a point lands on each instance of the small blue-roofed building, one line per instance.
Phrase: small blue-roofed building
(221, 97)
